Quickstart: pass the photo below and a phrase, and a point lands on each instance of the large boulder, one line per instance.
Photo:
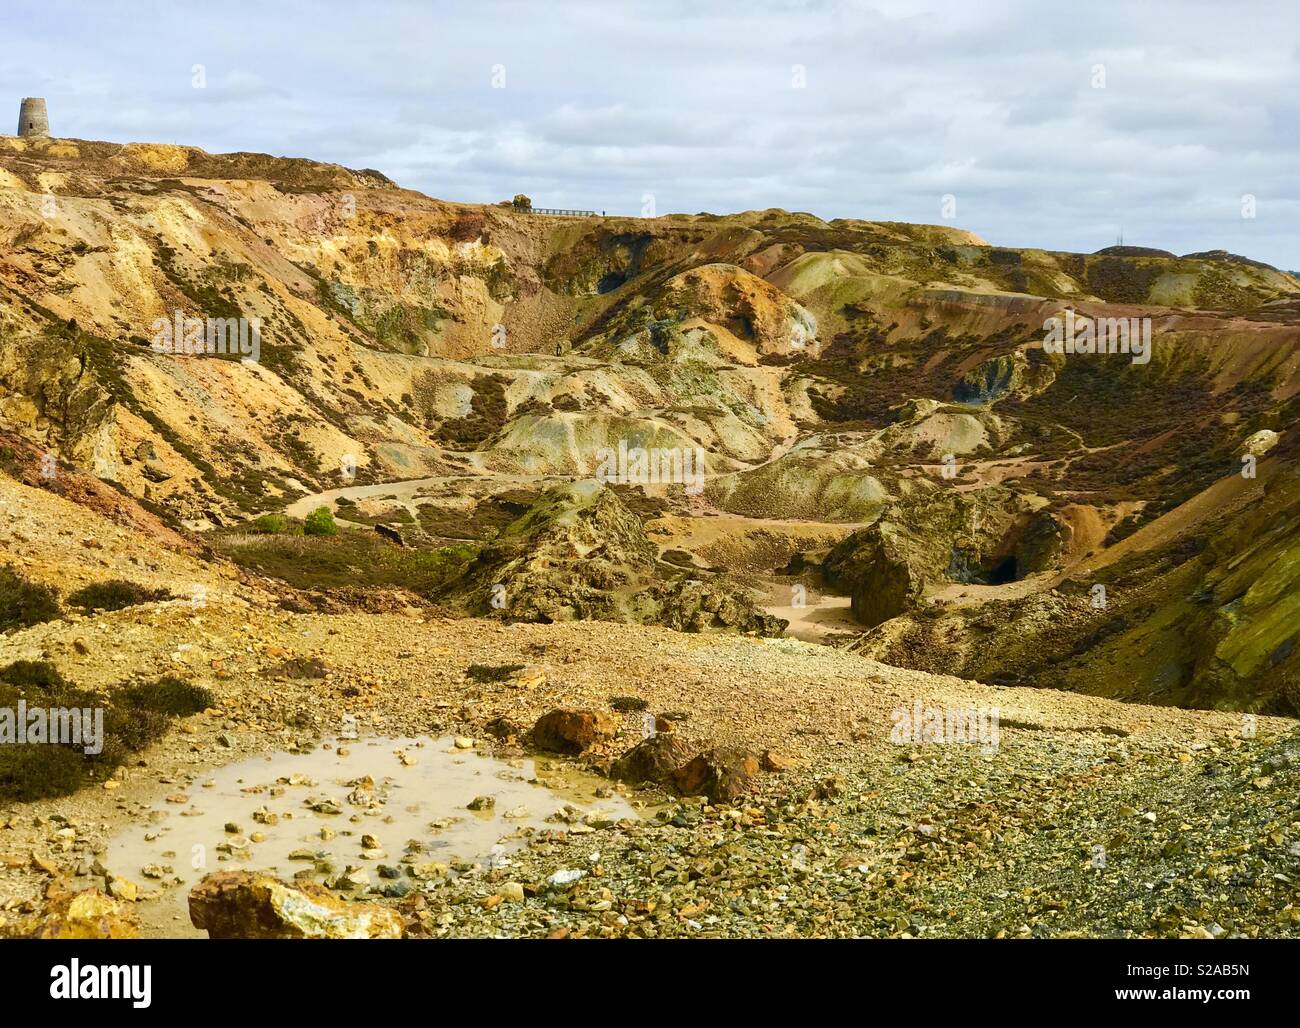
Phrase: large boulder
(572, 731)
(252, 905)
(567, 558)
(656, 760)
(884, 569)
(723, 774)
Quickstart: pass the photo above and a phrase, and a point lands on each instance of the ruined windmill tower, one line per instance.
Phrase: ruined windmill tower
(33, 120)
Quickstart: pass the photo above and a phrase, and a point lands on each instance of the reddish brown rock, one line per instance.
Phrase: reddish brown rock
(656, 760)
(723, 774)
(249, 905)
(572, 731)
(773, 761)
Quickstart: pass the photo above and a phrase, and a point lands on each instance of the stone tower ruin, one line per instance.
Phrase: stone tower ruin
(33, 120)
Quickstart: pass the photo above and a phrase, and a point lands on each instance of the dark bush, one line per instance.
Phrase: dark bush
(491, 672)
(135, 717)
(174, 697)
(116, 594)
(40, 772)
(38, 674)
(131, 729)
(24, 603)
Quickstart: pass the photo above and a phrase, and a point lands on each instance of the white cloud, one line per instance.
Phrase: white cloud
(904, 102)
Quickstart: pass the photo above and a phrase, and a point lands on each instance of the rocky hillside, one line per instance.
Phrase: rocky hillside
(418, 512)
(881, 386)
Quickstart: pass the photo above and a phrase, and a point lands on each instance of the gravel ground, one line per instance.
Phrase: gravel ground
(1089, 817)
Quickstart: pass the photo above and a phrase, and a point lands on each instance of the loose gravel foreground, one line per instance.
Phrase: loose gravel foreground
(1088, 817)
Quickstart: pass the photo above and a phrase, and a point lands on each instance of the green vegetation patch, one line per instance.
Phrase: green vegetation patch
(320, 522)
(349, 558)
(131, 718)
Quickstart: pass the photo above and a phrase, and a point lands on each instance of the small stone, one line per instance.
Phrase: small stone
(512, 892)
(566, 877)
(777, 762)
(42, 864)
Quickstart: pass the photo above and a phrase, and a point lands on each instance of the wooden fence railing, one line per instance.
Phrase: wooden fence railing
(561, 213)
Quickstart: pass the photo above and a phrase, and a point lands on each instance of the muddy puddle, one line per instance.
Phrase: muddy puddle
(351, 814)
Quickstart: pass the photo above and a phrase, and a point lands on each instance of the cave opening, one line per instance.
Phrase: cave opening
(1006, 570)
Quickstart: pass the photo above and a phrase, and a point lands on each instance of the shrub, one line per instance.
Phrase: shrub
(271, 524)
(491, 672)
(130, 729)
(141, 714)
(40, 675)
(24, 603)
(320, 522)
(116, 594)
(172, 696)
(40, 772)
(135, 717)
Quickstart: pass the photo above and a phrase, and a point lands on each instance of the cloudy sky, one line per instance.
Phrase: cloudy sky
(1051, 124)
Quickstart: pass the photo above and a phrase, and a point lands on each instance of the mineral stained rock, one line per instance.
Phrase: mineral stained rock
(249, 905)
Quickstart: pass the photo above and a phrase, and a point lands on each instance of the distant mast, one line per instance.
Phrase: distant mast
(33, 119)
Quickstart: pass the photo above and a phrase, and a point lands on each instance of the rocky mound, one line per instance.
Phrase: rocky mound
(578, 553)
(986, 537)
(1199, 609)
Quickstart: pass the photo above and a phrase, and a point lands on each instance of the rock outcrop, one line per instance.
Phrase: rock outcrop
(249, 905)
(656, 760)
(723, 774)
(88, 914)
(572, 731)
(985, 537)
(578, 553)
